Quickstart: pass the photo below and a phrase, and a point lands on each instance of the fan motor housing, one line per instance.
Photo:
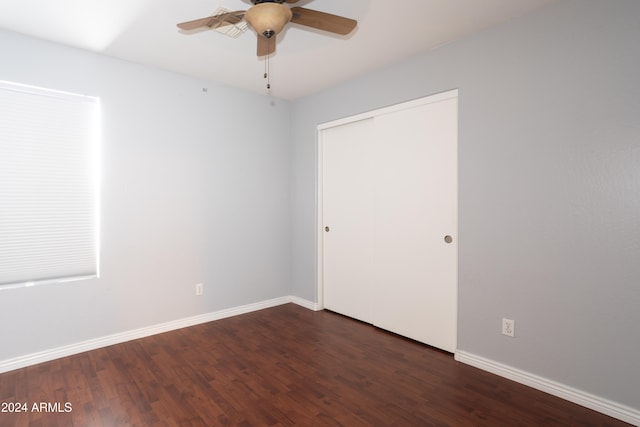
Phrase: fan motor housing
(267, 1)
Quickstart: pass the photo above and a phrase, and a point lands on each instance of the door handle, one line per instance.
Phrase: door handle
(448, 239)
(327, 229)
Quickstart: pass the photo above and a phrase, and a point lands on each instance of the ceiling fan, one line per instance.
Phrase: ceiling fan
(268, 18)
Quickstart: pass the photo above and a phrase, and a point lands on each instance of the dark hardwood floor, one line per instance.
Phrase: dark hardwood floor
(277, 367)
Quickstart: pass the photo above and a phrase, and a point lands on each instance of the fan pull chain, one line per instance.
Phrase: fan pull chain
(265, 66)
(267, 71)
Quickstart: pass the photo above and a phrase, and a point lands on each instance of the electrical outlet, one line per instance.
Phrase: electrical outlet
(508, 327)
(199, 288)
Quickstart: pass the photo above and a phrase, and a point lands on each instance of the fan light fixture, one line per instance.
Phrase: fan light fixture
(268, 19)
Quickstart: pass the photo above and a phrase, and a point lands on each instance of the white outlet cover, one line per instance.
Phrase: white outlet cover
(508, 327)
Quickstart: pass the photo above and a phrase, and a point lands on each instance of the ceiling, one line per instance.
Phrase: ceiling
(306, 61)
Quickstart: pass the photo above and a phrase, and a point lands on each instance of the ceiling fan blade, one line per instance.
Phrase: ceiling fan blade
(216, 21)
(266, 46)
(292, 1)
(323, 21)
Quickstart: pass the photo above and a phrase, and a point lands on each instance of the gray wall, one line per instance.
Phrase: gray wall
(549, 188)
(195, 188)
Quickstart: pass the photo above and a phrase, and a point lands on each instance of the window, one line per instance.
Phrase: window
(48, 185)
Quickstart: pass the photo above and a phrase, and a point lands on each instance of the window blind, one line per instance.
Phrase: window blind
(48, 185)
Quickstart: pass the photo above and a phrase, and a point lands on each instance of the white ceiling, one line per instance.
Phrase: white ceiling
(144, 31)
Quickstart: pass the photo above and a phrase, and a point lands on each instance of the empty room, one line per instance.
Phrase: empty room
(320, 212)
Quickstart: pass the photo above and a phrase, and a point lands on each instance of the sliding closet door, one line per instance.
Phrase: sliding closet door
(415, 211)
(348, 218)
(388, 243)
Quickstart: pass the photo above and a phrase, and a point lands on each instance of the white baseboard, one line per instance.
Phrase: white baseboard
(613, 409)
(69, 350)
(314, 306)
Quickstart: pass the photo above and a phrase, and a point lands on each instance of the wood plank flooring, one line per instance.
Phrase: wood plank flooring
(281, 366)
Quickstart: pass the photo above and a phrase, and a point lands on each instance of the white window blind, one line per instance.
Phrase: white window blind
(48, 185)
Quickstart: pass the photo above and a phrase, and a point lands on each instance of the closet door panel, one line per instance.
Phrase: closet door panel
(347, 229)
(415, 205)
